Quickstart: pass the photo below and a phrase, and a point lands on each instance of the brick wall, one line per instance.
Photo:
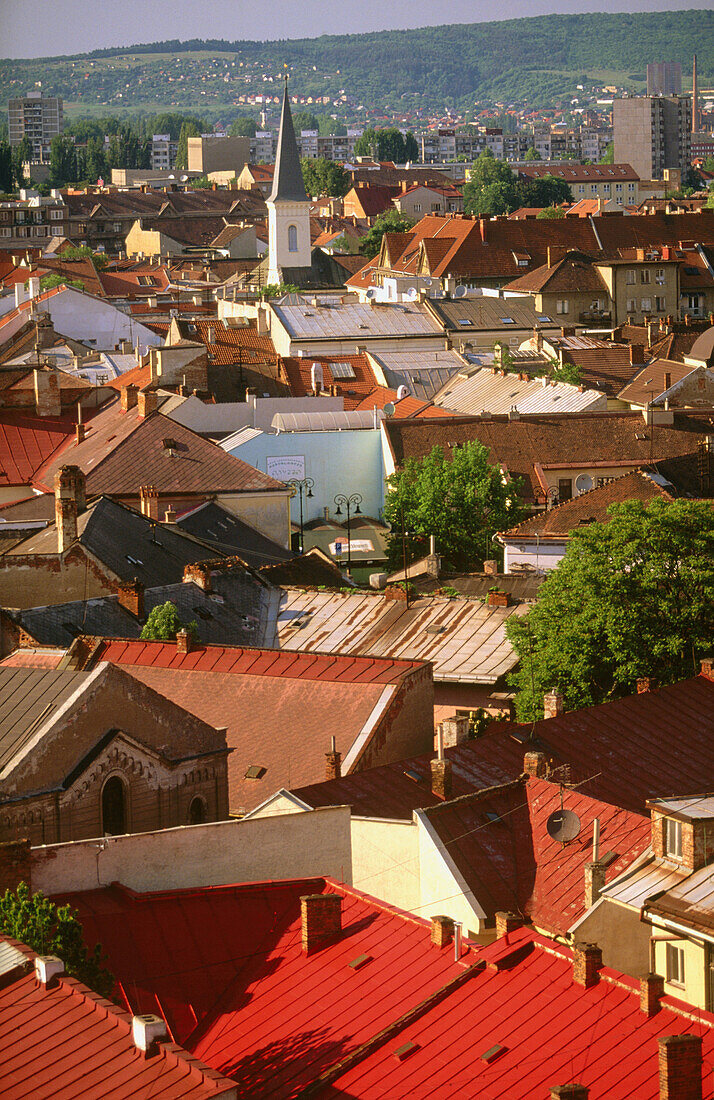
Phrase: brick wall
(15, 864)
(408, 726)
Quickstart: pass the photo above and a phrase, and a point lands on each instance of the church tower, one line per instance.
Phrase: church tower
(289, 248)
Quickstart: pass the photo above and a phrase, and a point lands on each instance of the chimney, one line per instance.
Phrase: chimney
(170, 515)
(680, 1067)
(637, 355)
(48, 969)
(490, 567)
(553, 704)
(47, 393)
(148, 402)
(498, 356)
(183, 641)
(536, 764)
(441, 770)
(651, 989)
(507, 922)
(131, 597)
(587, 960)
(128, 397)
(198, 573)
(645, 684)
(455, 730)
(69, 503)
(442, 931)
(20, 294)
(333, 765)
(594, 882)
(149, 497)
(706, 668)
(321, 920)
(148, 1031)
(79, 434)
(211, 336)
(499, 599)
(33, 287)
(569, 1092)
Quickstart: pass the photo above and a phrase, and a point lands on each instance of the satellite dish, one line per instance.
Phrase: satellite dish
(428, 282)
(371, 293)
(563, 826)
(411, 294)
(461, 291)
(390, 409)
(583, 483)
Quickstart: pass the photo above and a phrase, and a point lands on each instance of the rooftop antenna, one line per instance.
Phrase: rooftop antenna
(596, 839)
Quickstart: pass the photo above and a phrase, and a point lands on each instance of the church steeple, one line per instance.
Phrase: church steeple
(287, 182)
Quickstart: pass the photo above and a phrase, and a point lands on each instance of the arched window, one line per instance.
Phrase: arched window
(197, 811)
(114, 807)
(292, 238)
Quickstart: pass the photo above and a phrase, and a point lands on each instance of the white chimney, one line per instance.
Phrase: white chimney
(34, 287)
(20, 294)
(48, 969)
(147, 1030)
(211, 334)
(317, 378)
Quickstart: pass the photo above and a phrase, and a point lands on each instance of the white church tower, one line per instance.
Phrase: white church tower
(289, 248)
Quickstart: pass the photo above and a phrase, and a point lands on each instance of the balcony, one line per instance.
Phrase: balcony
(595, 316)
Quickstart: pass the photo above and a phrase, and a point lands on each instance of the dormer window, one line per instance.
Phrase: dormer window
(672, 838)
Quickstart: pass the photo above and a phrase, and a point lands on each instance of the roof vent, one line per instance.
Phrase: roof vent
(147, 1030)
(48, 969)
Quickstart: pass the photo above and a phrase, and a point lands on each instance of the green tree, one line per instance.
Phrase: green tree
(391, 221)
(609, 154)
(532, 154)
(492, 187)
(461, 500)
(708, 164)
(188, 129)
(63, 161)
(388, 144)
(48, 282)
(551, 212)
(632, 597)
(84, 252)
(277, 290)
(305, 120)
(6, 178)
(163, 624)
(50, 929)
(324, 177)
(546, 191)
(243, 127)
(21, 154)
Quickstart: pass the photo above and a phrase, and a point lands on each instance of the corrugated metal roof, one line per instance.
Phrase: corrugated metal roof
(28, 699)
(472, 393)
(331, 320)
(464, 639)
(10, 957)
(359, 420)
(696, 808)
(422, 372)
(654, 876)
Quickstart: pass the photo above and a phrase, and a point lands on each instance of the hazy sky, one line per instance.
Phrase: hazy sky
(39, 28)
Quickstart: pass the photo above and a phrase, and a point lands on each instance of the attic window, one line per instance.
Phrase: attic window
(342, 370)
(544, 317)
(192, 328)
(492, 817)
(507, 321)
(672, 838)
(465, 321)
(255, 772)
(169, 444)
(133, 561)
(411, 774)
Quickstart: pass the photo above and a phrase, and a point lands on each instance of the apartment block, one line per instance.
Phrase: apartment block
(664, 78)
(38, 118)
(653, 133)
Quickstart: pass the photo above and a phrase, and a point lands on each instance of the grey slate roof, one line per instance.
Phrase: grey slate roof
(287, 179)
(28, 698)
(219, 528)
(240, 610)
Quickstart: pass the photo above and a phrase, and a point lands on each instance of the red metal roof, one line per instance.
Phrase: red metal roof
(552, 1031)
(28, 441)
(66, 1042)
(226, 968)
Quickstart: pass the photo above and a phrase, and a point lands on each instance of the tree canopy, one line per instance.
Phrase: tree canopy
(188, 129)
(493, 188)
(50, 929)
(163, 624)
(462, 500)
(391, 221)
(389, 144)
(324, 177)
(632, 597)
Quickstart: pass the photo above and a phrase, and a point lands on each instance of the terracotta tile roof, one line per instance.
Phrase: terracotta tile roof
(405, 407)
(511, 863)
(263, 697)
(352, 390)
(580, 173)
(126, 284)
(230, 345)
(613, 752)
(67, 1042)
(574, 273)
(652, 380)
(551, 1031)
(139, 376)
(371, 199)
(83, 270)
(561, 521)
(613, 438)
(233, 1001)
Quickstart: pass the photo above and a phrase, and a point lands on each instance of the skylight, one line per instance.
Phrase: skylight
(342, 370)
(507, 321)
(465, 321)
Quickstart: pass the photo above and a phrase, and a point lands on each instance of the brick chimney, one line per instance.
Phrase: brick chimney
(553, 704)
(333, 762)
(651, 989)
(594, 882)
(170, 515)
(645, 684)
(198, 573)
(490, 567)
(535, 764)
(507, 922)
(69, 503)
(569, 1092)
(183, 641)
(455, 730)
(680, 1067)
(131, 597)
(587, 960)
(149, 497)
(499, 599)
(47, 393)
(442, 931)
(637, 355)
(128, 397)
(706, 668)
(321, 920)
(441, 777)
(148, 402)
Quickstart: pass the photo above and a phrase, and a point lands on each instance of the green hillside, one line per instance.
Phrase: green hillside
(537, 61)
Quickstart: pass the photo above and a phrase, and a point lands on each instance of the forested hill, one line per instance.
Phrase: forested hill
(534, 60)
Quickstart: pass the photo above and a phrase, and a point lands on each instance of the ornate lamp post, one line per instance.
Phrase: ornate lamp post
(351, 504)
(301, 486)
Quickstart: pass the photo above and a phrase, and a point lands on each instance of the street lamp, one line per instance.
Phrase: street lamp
(351, 504)
(301, 486)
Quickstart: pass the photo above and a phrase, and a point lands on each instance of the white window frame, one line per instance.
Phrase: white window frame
(562, 306)
(675, 964)
(646, 304)
(673, 837)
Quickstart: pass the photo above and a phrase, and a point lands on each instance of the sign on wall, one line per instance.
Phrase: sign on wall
(286, 467)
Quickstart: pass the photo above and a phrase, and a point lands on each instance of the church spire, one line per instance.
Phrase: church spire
(287, 181)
